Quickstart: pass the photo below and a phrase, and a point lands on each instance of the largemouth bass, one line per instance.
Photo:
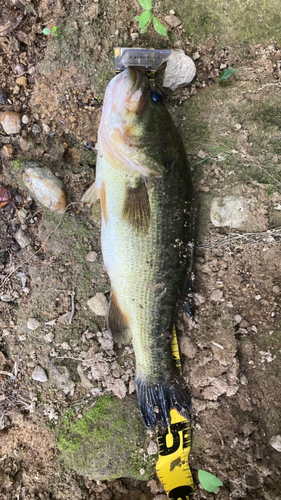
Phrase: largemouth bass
(144, 185)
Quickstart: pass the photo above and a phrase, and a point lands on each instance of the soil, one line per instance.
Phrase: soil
(230, 348)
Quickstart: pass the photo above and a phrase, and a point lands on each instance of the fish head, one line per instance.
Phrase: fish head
(134, 123)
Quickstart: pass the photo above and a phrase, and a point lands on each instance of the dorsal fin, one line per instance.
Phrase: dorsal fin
(136, 209)
(117, 322)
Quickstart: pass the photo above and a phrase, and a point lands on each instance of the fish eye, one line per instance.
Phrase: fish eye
(156, 97)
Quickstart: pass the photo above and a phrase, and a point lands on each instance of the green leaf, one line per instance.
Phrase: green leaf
(159, 27)
(144, 29)
(137, 18)
(55, 29)
(145, 4)
(46, 31)
(208, 481)
(226, 73)
(145, 18)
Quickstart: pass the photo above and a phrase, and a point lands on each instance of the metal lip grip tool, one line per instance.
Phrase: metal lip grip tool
(146, 60)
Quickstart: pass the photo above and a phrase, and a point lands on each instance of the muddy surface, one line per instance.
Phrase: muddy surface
(51, 264)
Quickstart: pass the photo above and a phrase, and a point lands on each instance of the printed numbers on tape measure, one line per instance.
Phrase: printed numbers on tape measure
(164, 447)
(181, 493)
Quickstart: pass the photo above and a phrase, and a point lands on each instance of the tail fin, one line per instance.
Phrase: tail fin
(155, 402)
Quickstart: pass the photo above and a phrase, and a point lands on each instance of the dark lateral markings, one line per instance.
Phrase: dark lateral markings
(181, 493)
(175, 429)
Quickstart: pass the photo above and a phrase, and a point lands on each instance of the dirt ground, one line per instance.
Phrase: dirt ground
(230, 349)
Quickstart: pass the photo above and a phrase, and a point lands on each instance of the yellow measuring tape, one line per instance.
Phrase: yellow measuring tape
(174, 448)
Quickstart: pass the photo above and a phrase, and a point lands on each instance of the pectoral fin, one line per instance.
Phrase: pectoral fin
(91, 195)
(136, 209)
(117, 322)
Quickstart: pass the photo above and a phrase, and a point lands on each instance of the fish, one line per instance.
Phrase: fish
(144, 185)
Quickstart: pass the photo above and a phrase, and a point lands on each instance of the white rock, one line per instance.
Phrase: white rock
(228, 211)
(238, 319)
(98, 304)
(118, 388)
(275, 442)
(6, 297)
(217, 296)
(25, 119)
(152, 448)
(39, 374)
(32, 323)
(180, 70)
(11, 122)
(91, 257)
(46, 187)
(106, 344)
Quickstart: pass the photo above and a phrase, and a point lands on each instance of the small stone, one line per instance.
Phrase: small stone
(46, 128)
(187, 347)
(152, 448)
(39, 374)
(276, 289)
(20, 69)
(32, 323)
(6, 297)
(91, 257)
(24, 144)
(118, 388)
(11, 122)
(142, 472)
(228, 211)
(31, 71)
(98, 304)
(25, 119)
(36, 129)
(243, 379)
(3, 98)
(160, 497)
(49, 337)
(196, 56)
(22, 238)
(237, 319)
(22, 81)
(275, 442)
(134, 36)
(172, 21)
(180, 70)
(8, 151)
(16, 89)
(217, 296)
(45, 186)
(258, 297)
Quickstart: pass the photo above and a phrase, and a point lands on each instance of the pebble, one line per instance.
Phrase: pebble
(196, 56)
(25, 119)
(8, 150)
(36, 129)
(45, 186)
(11, 122)
(228, 211)
(237, 319)
(275, 442)
(172, 21)
(91, 257)
(6, 297)
(24, 144)
(22, 81)
(20, 69)
(160, 497)
(32, 323)
(106, 344)
(3, 98)
(31, 71)
(180, 70)
(49, 337)
(98, 304)
(39, 374)
(276, 289)
(217, 296)
(152, 448)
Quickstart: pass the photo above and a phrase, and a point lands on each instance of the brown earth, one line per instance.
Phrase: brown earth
(231, 347)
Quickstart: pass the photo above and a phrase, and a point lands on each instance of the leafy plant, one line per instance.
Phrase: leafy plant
(55, 30)
(146, 18)
(208, 481)
(227, 73)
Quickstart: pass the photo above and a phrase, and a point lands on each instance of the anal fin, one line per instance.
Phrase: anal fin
(117, 322)
(136, 208)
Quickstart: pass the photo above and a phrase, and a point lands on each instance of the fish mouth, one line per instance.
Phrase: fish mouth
(137, 96)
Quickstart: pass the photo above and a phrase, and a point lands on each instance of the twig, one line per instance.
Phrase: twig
(7, 373)
(40, 248)
(251, 237)
(72, 307)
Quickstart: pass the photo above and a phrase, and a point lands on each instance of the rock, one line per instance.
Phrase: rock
(8, 151)
(217, 296)
(196, 56)
(25, 119)
(106, 344)
(31, 71)
(172, 21)
(275, 442)
(186, 347)
(118, 388)
(11, 122)
(3, 98)
(237, 319)
(276, 289)
(152, 448)
(60, 377)
(39, 374)
(22, 238)
(228, 211)
(22, 81)
(45, 186)
(6, 297)
(32, 323)
(36, 129)
(91, 257)
(98, 304)
(24, 144)
(106, 442)
(20, 69)
(180, 70)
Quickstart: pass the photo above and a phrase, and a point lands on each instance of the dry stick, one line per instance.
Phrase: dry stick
(244, 236)
(72, 307)
(39, 249)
